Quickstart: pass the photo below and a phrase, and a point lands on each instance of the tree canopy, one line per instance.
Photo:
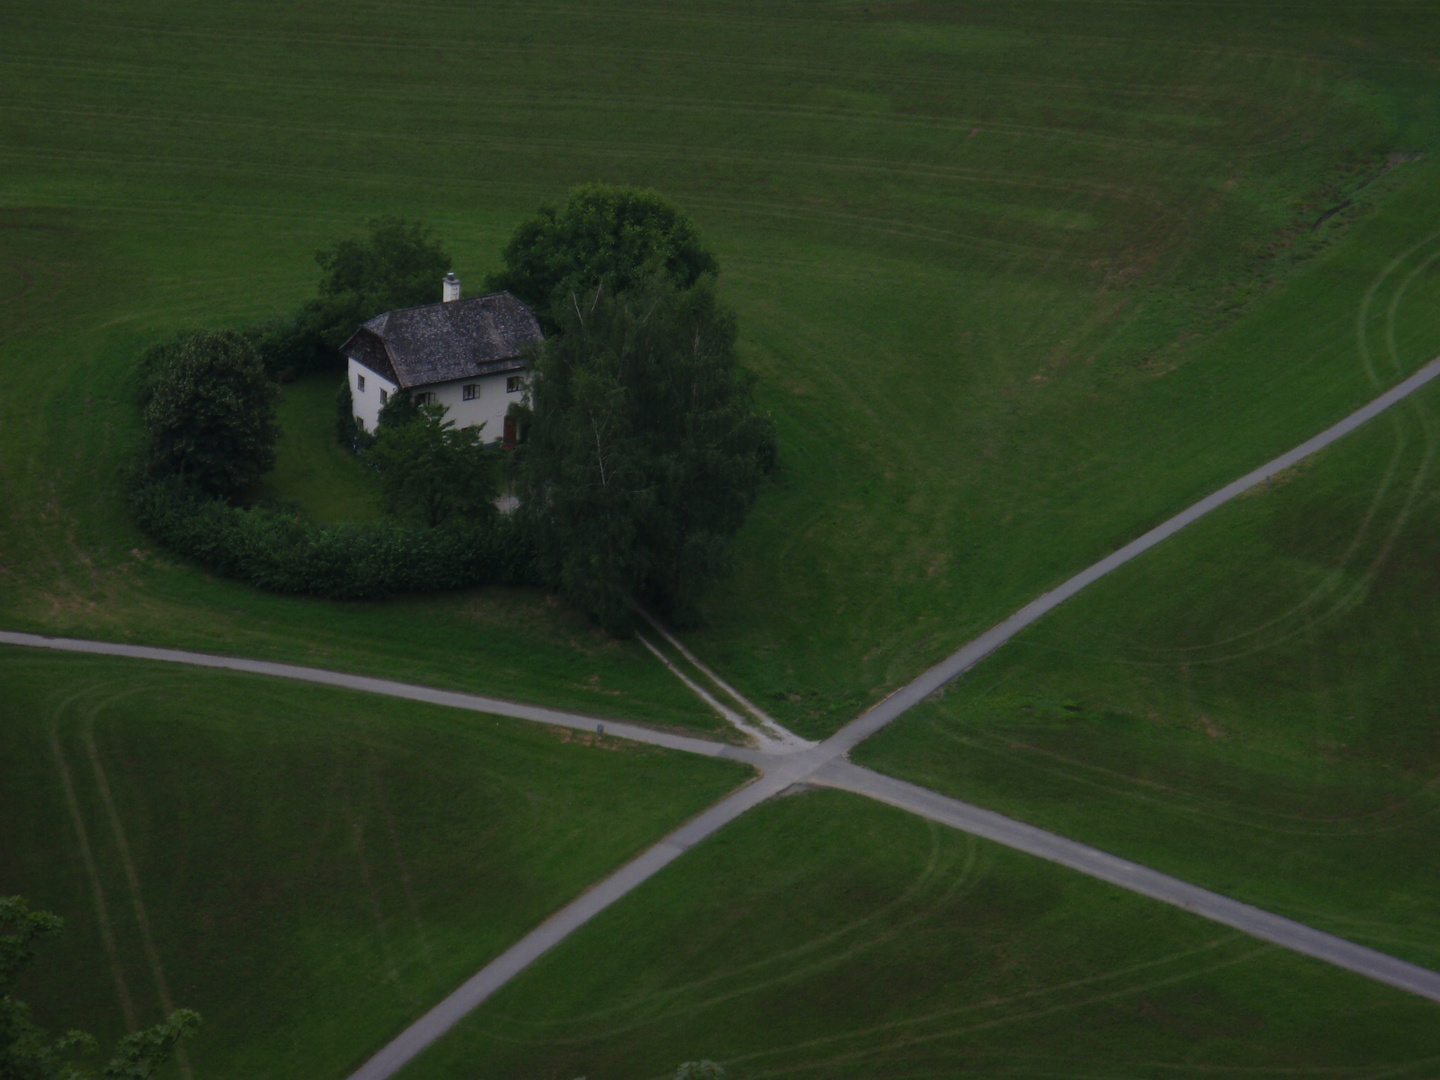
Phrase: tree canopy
(209, 412)
(399, 264)
(28, 1052)
(431, 471)
(619, 235)
(644, 451)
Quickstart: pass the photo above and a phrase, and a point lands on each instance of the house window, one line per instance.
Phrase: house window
(514, 384)
(424, 398)
(360, 383)
(472, 391)
(384, 397)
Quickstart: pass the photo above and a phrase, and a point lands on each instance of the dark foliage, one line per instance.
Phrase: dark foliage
(433, 472)
(279, 550)
(399, 265)
(619, 235)
(290, 346)
(209, 411)
(645, 451)
(399, 411)
(27, 1052)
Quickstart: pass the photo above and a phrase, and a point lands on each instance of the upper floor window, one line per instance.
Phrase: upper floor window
(471, 391)
(424, 398)
(514, 384)
(384, 397)
(360, 383)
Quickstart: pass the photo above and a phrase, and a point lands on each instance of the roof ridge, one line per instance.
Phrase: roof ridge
(451, 303)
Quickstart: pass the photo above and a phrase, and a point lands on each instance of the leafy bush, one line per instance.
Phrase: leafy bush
(290, 345)
(279, 550)
(209, 411)
(433, 472)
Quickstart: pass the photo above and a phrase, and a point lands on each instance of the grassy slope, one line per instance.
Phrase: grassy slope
(311, 468)
(775, 950)
(964, 247)
(1251, 706)
(317, 867)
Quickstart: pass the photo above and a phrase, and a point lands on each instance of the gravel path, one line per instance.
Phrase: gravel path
(388, 687)
(825, 765)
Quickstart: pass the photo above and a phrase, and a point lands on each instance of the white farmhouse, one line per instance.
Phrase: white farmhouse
(470, 356)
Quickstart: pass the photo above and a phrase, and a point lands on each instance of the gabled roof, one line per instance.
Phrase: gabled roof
(421, 346)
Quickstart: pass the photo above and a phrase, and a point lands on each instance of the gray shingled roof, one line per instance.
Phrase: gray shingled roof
(421, 346)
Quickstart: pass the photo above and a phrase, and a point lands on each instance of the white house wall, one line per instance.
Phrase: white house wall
(367, 401)
(488, 407)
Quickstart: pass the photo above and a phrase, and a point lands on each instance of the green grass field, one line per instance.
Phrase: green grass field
(1018, 281)
(311, 468)
(826, 936)
(313, 868)
(1253, 706)
(988, 267)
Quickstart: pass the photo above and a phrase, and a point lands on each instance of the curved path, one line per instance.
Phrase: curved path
(825, 765)
(388, 687)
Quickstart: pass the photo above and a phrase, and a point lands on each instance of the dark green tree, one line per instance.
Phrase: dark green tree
(27, 1052)
(209, 412)
(619, 235)
(400, 410)
(433, 472)
(644, 452)
(400, 264)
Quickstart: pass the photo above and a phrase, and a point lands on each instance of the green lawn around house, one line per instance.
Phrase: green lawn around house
(825, 936)
(311, 468)
(1253, 706)
(1016, 284)
(315, 867)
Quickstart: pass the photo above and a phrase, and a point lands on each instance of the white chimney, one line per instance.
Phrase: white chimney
(450, 289)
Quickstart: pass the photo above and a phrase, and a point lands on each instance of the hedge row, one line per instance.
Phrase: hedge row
(281, 551)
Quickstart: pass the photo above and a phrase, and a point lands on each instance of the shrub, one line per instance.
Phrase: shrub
(209, 411)
(433, 472)
(289, 346)
(277, 549)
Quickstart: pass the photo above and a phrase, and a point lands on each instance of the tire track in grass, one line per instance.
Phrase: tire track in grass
(956, 884)
(1204, 806)
(377, 911)
(1334, 578)
(912, 79)
(87, 859)
(855, 1057)
(132, 876)
(377, 783)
